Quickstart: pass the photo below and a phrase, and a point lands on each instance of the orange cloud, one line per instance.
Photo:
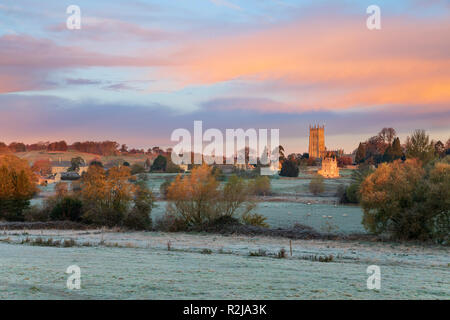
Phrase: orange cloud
(342, 64)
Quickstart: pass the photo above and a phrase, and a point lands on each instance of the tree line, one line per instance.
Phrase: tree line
(103, 148)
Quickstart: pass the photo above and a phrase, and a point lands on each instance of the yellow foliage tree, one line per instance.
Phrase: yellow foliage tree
(17, 186)
(402, 198)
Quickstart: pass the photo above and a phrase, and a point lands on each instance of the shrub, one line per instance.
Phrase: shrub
(170, 223)
(36, 213)
(139, 217)
(255, 219)
(103, 216)
(159, 164)
(259, 253)
(137, 168)
(261, 186)
(289, 168)
(67, 208)
(281, 254)
(137, 220)
(163, 188)
(352, 193)
(316, 185)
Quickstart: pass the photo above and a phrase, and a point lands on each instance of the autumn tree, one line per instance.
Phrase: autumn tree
(17, 147)
(42, 166)
(408, 201)
(4, 148)
(106, 195)
(17, 187)
(196, 200)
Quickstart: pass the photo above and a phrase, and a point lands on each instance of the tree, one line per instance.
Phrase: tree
(281, 154)
(439, 149)
(17, 187)
(57, 146)
(419, 146)
(387, 134)
(42, 167)
(139, 216)
(76, 163)
(106, 196)
(397, 152)
(197, 200)
(159, 164)
(17, 147)
(124, 148)
(4, 148)
(316, 185)
(408, 201)
(360, 153)
(289, 168)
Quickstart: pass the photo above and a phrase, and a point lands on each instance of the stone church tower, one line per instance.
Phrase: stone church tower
(317, 141)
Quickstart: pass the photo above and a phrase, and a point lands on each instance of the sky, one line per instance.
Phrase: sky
(137, 70)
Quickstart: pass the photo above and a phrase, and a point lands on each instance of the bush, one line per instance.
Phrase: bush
(164, 187)
(138, 220)
(255, 219)
(137, 168)
(67, 208)
(352, 193)
(289, 168)
(170, 223)
(316, 185)
(99, 216)
(261, 186)
(36, 213)
(159, 164)
(139, 217)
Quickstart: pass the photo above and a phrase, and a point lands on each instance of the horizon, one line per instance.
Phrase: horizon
(134, 73)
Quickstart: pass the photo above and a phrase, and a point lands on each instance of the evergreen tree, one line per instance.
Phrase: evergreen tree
(360, 153)
(397, 151)
(289, 168)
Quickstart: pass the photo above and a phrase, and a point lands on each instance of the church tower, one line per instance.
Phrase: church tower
(316, 141)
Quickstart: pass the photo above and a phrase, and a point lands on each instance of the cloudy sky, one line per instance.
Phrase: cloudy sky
(137, 70)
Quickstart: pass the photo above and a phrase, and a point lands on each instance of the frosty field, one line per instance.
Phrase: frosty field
(139, 266)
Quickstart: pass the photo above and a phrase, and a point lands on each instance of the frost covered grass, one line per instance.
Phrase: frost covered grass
(204, 266)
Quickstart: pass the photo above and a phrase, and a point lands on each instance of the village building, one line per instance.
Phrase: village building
(317, 150)
(63, 166)
(316, 141)
(329, 168)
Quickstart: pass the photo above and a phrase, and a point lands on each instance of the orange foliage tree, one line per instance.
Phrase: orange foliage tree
(42, 166)
(196, 199)
(17, 187)
(407, 200)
